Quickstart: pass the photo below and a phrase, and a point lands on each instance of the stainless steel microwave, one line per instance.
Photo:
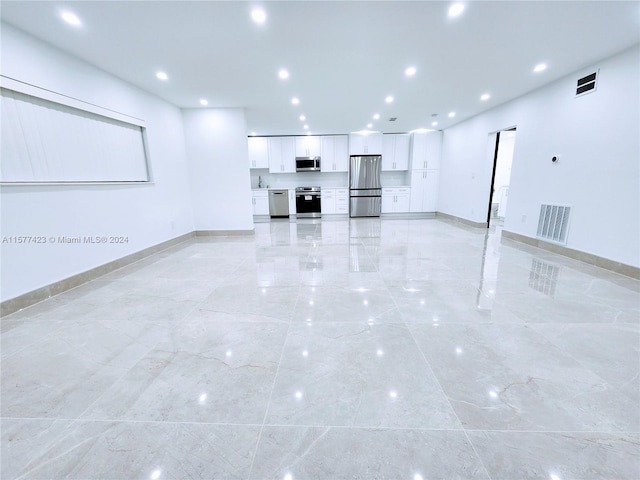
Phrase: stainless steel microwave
(307, 164)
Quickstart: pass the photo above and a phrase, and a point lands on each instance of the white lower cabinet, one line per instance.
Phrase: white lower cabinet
(342, 200)
(334, 200)
(395, 199)
(424, 190)
(260, 202)
(328, 201)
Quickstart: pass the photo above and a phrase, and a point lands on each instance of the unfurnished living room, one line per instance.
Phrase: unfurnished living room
(320, 240)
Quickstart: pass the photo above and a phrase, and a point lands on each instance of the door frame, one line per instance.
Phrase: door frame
(495, 164)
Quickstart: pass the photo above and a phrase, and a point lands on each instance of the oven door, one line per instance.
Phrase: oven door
(308, 205)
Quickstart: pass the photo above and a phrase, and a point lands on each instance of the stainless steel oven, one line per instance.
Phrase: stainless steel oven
(307, 164)
(308, 202)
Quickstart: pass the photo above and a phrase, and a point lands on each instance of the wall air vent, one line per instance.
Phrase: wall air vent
(553, 223)
(393, 119)
(587, 84)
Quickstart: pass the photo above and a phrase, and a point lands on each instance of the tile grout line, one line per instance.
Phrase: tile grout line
(442, 390)
(275, 377)
(150, 349)
(295, 425)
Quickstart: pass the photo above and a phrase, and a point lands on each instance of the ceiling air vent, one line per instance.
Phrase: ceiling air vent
(553, 223)
(393, 119)
(587, 84)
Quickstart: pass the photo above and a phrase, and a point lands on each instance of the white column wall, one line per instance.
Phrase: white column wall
(147, 214)
(598, 174)
(216, 141)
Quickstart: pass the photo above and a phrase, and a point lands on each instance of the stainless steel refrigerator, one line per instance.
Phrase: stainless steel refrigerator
(365, 191)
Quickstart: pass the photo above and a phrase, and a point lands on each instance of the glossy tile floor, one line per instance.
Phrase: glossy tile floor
(365, 348)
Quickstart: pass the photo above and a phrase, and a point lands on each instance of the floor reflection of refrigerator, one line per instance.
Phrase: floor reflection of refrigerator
(365, 191)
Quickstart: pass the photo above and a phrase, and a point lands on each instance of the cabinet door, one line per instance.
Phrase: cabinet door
(418, 182)
(388, 155)
(288, 157)
(327, 201)
(431, 191)
(402, 203)
(388, 199)
(361, 144)
(275, 155)
(387, 203)
(419, 151)
(327, 154)
(401, 152)
(373, 144)
(260, 205)
(356, 144)
(308, 146)
(341, 153)
(258, 152)
(434, 150)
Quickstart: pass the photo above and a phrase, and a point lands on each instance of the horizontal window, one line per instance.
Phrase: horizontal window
(48, 142)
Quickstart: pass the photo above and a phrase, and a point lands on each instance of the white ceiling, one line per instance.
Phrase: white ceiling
(344, 57)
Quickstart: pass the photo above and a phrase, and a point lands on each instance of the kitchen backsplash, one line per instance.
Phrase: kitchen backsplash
(321, 179)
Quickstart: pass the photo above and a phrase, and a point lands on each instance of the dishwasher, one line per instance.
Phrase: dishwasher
(279, 203)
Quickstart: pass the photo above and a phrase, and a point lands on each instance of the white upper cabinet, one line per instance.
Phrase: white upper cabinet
(334, 153)
(395, 151)
(282, 155)
(258, 152)
(307, 146)
(361, 144)
(426, 149)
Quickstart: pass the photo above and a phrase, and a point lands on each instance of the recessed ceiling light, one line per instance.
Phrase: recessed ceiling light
(71, 19)
(452, 114)
(258, 15)
(283, 74)
(306, 127)
(369, 125)
(456, 9)
(433, 124)
(389, 99)
(540, 67)
(485, 97)
(410, 71)
(376, 116)
(253, 134)
(162, 76)
(204, 102)
(295, 100)
(302, 118)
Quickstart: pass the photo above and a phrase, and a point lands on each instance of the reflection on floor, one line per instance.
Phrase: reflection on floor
(363, 348)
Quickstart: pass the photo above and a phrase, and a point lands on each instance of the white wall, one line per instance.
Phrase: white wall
(598, 174)
(216, 142)
(146, 214)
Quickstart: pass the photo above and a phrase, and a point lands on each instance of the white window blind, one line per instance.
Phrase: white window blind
(47, 142)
